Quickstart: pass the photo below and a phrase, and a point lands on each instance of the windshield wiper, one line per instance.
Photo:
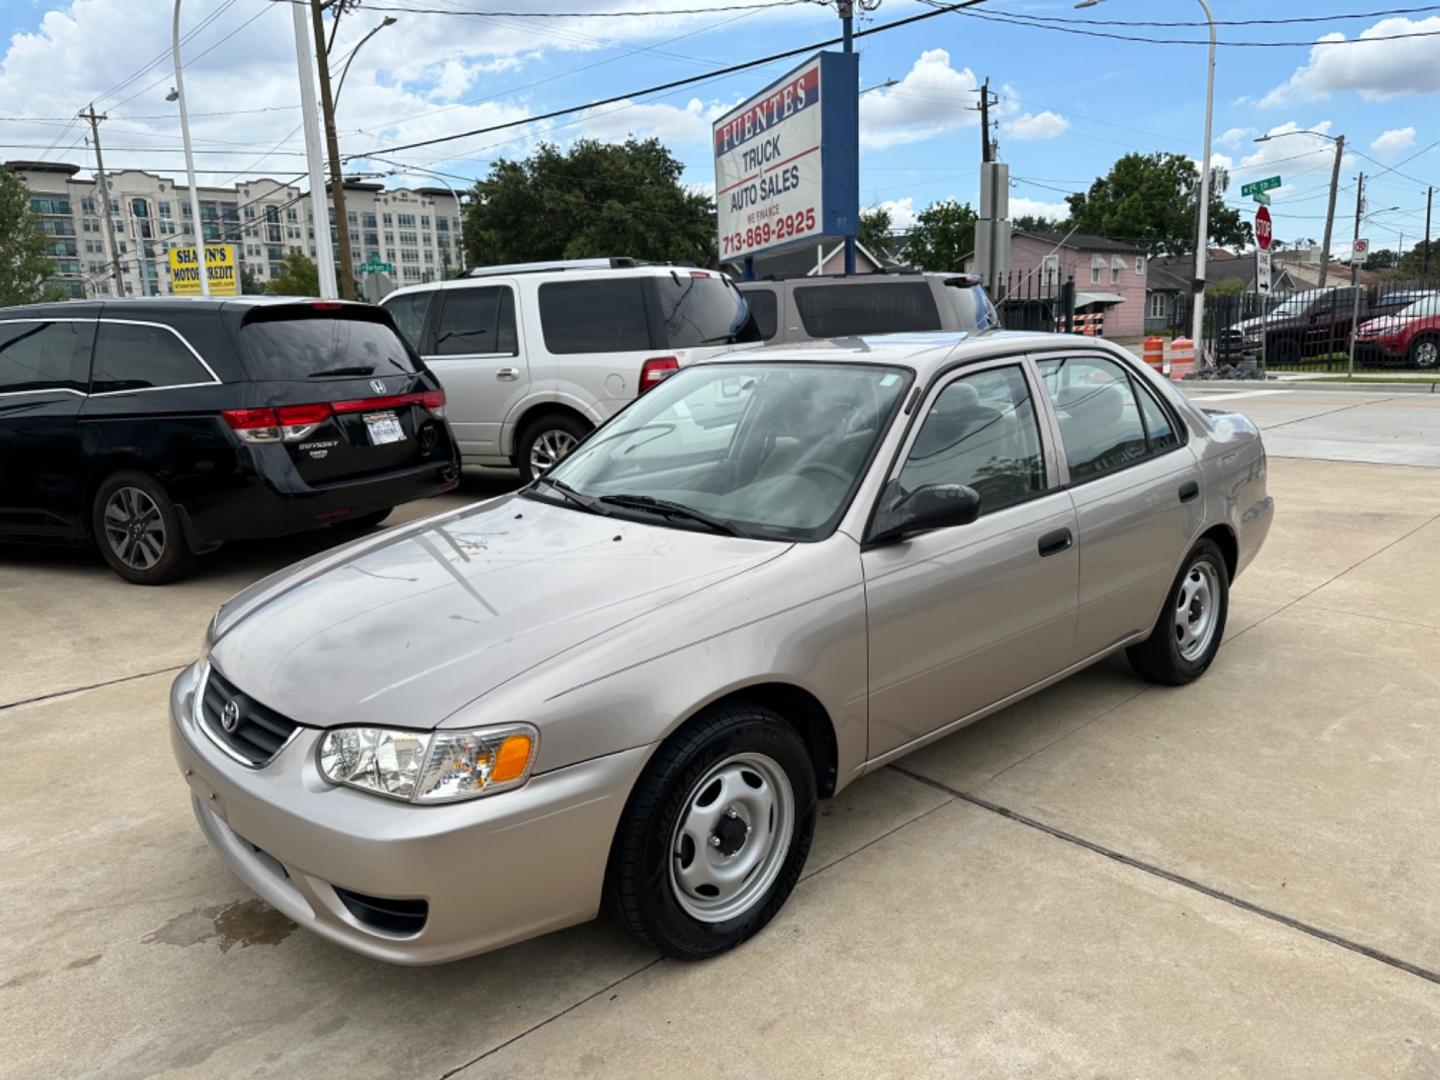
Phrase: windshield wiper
(674, 509)
(585, 502)
(361, 369)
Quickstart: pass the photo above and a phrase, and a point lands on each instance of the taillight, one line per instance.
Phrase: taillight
(299, 415)
(254, 425)
(656, 370)
(434, 400)
(326, 305)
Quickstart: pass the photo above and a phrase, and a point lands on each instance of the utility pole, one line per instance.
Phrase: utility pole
(337, 183)
(1425, 266)
(846, 10)
(1330, 213)
(104, 189)
(319, 208)
(1355, 269)
(985, 153)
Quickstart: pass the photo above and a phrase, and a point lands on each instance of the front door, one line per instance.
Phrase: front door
(44, 371)
(475, 351)
(1137, 494)
(960, 618)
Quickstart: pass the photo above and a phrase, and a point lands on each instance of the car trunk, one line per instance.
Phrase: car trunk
(349, 396)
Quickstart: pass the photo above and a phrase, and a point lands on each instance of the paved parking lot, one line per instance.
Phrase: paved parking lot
(1241, 877)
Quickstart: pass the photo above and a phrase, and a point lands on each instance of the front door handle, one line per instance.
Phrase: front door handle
(507, 374)
(1189, 491)
(1052, 543)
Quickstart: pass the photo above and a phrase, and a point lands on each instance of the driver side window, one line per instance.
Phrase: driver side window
(981, 432)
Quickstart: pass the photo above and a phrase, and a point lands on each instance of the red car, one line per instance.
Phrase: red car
(1409, 336)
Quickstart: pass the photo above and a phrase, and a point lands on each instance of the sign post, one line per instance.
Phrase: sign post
(1264, 236)
(786, 162)
(220, 267)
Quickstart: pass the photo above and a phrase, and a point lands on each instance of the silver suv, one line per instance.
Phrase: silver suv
(812, 308)
(534, 356)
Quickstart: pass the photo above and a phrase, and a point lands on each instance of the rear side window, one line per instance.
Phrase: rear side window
(129, 356)
(409, 315)
(291, 344)
(698, 309)
(594, 316)
(879, 308)
(44, 356)
(476, 320)
(1100, 424)
(764, 310)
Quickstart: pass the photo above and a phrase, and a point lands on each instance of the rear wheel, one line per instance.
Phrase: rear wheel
(138, 530)
(1187, 636)
(546, 441)
(1283, 351)
(1425, 352)
(715, 833)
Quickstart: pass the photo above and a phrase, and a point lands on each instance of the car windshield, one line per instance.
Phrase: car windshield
(765, 450)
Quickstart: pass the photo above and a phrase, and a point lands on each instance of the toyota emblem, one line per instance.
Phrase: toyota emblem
(377, 386)
(230, 716)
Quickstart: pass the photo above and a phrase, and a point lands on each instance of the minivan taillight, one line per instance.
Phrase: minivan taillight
(656, 370)
(288, 422)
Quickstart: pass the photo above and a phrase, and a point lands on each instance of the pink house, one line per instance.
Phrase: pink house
(1109, 275)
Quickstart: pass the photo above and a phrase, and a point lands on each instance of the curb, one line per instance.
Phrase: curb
(1366, 387)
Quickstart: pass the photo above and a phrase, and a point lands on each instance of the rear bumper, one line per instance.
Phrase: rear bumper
(273, 500)
(493, 870)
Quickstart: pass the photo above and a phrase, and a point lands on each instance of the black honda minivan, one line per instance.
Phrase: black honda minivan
(160, 428)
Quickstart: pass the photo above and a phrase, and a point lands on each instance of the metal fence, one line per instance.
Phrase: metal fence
(1035, 301)
(1310, 330)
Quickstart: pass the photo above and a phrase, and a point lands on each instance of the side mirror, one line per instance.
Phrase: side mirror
(933, 506)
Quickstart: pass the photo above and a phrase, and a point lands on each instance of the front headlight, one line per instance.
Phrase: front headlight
(430, 767)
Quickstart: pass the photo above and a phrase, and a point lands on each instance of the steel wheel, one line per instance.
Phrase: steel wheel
(732, 837)
(549, 449)
(1427, 353)
(134, 528)
(1195, 610)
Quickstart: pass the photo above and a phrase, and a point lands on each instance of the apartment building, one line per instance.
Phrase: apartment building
(416, 231)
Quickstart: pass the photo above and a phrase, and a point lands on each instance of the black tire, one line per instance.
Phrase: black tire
(1161, 658)
(1282, 351)
(362, 522)
(1425, 352)
(132, 544)
(546, 430)
(641, 888)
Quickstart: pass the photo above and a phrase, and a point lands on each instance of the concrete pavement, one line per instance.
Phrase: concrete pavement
(1235, 878)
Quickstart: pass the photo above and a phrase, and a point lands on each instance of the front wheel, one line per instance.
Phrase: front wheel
(1425, 352)
(547, 441)
(1187, 636)
(138, 530)
(715, 833)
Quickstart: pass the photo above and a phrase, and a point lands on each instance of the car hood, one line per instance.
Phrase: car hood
(407, 630)
(1385, 324)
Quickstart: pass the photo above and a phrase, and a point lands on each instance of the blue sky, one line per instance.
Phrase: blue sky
(1069, 104)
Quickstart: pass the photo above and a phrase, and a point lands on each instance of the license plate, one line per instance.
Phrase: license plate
(384, 428)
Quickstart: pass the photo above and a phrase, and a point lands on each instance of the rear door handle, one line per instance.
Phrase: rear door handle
(507, 374)
(1189, 491)
(1052, 543)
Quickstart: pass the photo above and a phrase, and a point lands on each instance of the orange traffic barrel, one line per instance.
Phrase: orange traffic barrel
(1182, 358)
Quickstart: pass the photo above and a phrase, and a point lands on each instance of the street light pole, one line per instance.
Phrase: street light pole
(847, 26)
(1202, 237)
(1355, 270)
(1339, 141)
(189, 157)
(319, 205)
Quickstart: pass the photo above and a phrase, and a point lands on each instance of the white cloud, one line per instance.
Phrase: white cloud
(1235, 136)
(1394, 140)
(669, 123)
(1042, 125)
(902, 211)
(1375, 69)
(1292, 155)
(932, 98)
(1052, 211)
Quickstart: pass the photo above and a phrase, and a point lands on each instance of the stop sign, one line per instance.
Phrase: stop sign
(1262, 228)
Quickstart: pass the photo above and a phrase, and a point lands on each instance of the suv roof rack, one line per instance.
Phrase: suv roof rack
(620, 262)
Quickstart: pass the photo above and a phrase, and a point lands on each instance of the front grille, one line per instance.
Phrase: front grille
(381, 913)
(258, 733)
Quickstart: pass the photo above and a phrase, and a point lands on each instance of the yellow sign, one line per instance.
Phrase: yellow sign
(221, 270)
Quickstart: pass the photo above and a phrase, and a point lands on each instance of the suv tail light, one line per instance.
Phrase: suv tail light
(656, 370)
(254, 425)
(294, 422)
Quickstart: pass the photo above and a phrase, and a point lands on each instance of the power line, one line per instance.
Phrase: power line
(642, 13)
(190, 60)
(1338, 17)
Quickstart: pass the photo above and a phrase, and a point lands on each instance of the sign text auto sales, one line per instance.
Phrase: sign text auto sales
(768, 179)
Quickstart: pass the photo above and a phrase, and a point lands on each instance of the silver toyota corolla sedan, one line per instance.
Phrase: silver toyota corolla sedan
(629, 682)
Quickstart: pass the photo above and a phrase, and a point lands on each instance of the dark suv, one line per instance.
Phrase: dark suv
(158, 429)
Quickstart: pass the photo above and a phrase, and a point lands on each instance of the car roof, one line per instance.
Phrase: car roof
(136, 307)
(925, 352)
(586, 273)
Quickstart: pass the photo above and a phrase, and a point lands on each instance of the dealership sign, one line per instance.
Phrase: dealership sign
(219, 270)
(786, 161)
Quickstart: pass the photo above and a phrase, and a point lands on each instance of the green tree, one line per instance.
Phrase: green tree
(1150, 199)
(943, 234)
(250, 283)
(23, 265)
(1032, 224)
(594, 200)
(875, 226)
(297, 276)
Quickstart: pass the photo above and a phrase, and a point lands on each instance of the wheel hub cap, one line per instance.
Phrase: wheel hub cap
(1195, 614)
(134, 529)
(550, 449)
(730, 834)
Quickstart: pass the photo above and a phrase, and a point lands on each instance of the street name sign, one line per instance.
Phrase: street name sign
(377, 268)
(1268, 184)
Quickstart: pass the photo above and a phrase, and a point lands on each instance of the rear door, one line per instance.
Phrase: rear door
(1136, 489)
(349, 396)
(44, 365)
(474, 347)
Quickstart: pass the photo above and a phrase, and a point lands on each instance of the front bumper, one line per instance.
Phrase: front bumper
(1376, 352)
(493, 870)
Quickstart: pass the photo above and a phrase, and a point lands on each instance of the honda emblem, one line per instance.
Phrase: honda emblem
(377, 386)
